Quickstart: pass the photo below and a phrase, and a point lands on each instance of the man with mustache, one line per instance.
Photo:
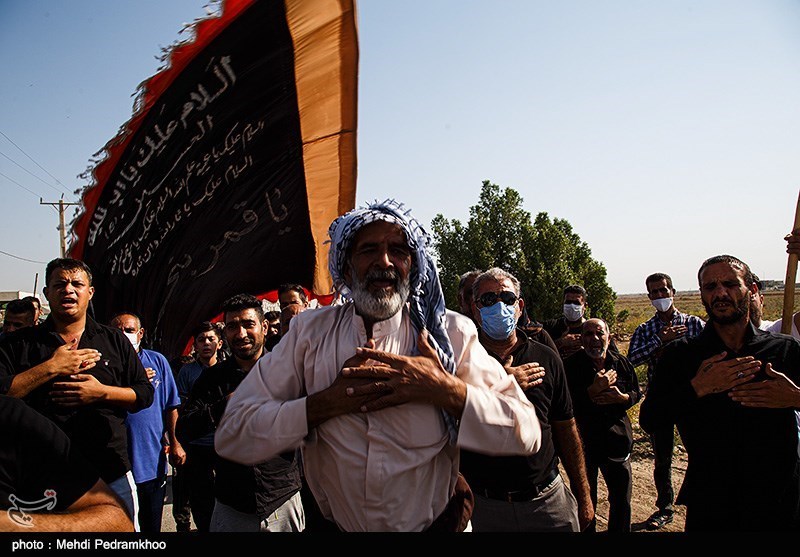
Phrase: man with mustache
(81, 374)
(261, 496)
(732, 391)
(381, 392)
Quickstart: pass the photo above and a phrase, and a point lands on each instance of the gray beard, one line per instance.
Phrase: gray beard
(379, 307)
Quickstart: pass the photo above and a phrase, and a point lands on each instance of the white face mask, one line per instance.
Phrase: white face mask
(134, 338)
(573, 312)
(662, 304)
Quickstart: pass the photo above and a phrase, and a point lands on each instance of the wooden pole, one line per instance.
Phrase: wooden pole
(788, 287)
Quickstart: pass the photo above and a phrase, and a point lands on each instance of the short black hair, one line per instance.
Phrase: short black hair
(20, 306)
(205, 327)
(243, 301)
(293, 287)
(735, 262)
(67, 264)
(272, 315)
(655, 277)
(576, 289)
(34, 300)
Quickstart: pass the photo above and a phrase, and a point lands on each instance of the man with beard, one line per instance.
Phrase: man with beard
(604, 386)
(265, 495)
(732, 392)
(380, 393)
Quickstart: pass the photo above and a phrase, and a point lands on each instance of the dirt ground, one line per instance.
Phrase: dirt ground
(643, 495)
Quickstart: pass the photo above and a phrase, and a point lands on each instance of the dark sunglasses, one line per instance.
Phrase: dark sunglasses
(490, 298)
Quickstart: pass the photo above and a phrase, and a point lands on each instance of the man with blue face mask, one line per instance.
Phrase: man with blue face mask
(526, 493)
(647, 342)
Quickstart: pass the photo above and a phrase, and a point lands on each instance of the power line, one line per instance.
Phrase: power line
(22, 258)
(34, 162)
(20, 185)
(31, 173)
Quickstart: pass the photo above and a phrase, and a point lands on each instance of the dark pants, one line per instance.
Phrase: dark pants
(619, 481)
(151, 503)
(199, 469)
(663, 441)
(181, 509)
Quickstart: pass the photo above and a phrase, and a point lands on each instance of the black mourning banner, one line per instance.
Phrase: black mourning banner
(206, 196)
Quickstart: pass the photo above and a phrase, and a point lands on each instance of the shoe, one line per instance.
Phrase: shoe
(658, 519)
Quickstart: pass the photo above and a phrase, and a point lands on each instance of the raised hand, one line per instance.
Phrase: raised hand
(527, 375)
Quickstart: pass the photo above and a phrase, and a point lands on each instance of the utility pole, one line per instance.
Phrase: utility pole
(62, 229)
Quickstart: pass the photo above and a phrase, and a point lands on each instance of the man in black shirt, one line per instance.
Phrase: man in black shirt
(603, 386)
(46, 485)
(732, 391)
(519, 493)
(84, 376)
(263, 497)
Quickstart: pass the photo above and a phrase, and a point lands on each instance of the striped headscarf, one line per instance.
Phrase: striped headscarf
(426, 299)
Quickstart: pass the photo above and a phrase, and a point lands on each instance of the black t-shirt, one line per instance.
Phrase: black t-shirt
(38, 461)
(604, 428)
(258, 489)
(552, 402)
(97, 430)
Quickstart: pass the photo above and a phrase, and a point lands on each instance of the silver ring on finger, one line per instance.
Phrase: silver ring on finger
(740, 375)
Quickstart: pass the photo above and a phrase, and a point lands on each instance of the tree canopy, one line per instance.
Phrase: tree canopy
(545, 254)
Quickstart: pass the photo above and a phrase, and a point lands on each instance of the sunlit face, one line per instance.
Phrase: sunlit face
(379, 270)
(206, 345)
(659, 289)
(244, 332)
(273, 327)
(595, 339)
(495, 286)
(129, 324)
(69, 293)
(724, 293)
(289, 298)
(287, 314)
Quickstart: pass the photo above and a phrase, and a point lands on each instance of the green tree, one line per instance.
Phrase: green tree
(544, 254)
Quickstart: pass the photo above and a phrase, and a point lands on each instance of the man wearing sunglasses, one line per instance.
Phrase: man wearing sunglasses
(527, 493)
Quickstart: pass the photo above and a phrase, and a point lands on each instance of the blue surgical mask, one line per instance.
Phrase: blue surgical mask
(498, 321)
(573, 312)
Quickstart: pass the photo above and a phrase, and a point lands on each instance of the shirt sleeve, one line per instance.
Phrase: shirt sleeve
(171, 398)
(642, 346)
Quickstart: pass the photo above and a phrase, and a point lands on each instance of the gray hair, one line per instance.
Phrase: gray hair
(498, 274)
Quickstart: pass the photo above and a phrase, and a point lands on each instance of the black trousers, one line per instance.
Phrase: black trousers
(619, 481)
(199, 470)
(663, 441)
(181, 509)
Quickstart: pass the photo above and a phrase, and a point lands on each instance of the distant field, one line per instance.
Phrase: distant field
(640, 310)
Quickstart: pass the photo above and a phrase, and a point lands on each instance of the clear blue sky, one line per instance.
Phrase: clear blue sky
(665, 132)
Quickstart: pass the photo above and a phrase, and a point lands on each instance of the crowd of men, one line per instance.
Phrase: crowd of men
(385, 411)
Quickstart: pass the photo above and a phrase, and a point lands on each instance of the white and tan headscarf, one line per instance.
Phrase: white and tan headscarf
(426, 299)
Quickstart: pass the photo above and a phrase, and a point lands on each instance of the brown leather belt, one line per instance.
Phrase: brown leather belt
(521, 495)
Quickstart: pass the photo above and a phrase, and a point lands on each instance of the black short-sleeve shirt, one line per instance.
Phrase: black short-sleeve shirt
(97, 430)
